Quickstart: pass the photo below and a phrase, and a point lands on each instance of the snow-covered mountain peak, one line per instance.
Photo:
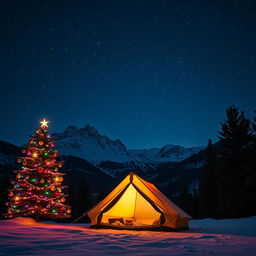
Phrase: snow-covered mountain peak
(71, 131)
(90, 131)
(88, 143)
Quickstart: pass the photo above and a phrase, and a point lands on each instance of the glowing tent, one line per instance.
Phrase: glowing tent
(137, 204)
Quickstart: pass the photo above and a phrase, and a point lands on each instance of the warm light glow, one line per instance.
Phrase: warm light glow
(133, 207)
(44, 123)
(17, 198)
(35, 155)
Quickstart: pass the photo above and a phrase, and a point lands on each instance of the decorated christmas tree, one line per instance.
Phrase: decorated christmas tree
(38, 190)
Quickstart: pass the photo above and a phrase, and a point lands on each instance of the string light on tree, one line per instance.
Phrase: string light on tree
(38, 190)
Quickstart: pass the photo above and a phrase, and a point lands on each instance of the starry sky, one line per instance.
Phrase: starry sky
(149, 72)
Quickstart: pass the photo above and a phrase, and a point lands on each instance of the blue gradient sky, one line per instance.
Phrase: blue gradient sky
(149, 73)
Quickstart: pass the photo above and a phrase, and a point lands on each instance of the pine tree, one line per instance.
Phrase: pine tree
(249, 183)
(82, 199)
(186, 200)
(235, 138)
(4, 184)
(38, 190)
(207, 185)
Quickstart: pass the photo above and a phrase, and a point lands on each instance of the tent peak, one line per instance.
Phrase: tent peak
(131, 173)
(131, 176)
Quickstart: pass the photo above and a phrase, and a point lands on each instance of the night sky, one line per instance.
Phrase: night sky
(147, 72)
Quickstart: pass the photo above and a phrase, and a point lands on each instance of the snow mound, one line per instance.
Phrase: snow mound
(26, 221)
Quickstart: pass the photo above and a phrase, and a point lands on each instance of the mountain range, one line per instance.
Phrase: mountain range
(103, 161)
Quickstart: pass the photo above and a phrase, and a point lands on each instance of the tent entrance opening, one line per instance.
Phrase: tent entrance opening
(132, 209)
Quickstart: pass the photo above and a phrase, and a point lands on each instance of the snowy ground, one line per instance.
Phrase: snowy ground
(22, 236)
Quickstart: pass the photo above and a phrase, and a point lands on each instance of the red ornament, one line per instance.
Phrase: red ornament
(28, 153)
(40, 169)
(24, 184)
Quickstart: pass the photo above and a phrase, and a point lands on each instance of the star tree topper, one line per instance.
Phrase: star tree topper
(44, 123)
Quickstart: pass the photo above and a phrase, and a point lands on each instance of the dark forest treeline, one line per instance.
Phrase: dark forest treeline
(227, 187)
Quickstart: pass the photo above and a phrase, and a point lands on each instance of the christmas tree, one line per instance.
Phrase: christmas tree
(38, 190)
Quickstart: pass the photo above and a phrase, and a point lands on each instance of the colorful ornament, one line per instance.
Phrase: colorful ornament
(68, 211)
(40, 169)
(42, 180)
(41, 142)
(18, 176)
(53, 188)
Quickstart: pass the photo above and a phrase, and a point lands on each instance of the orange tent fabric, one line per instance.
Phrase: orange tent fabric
(137, 204)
